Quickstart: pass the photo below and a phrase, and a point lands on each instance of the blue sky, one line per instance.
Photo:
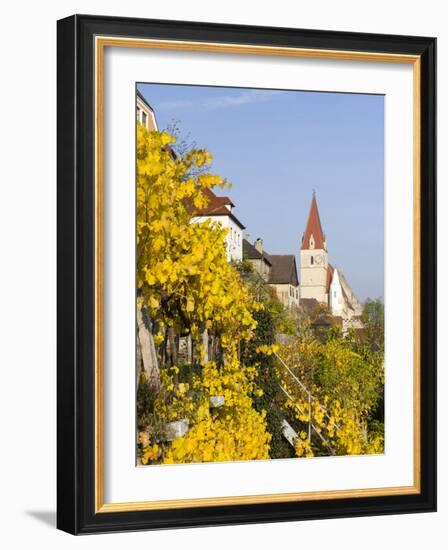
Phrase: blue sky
(276, 147)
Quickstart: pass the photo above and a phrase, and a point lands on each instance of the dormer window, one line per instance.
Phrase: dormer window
(312, 243)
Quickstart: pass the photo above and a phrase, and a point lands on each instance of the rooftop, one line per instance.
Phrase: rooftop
(216, 206)
(283, 268)
(251, 253)
(313, 228)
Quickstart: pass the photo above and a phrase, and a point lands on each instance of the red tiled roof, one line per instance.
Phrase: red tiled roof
(330, 272)
(217, 206)
(215, 203)
(313, 227)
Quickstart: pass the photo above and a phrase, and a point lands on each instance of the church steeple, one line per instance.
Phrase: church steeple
(313, 237)
(314, 267)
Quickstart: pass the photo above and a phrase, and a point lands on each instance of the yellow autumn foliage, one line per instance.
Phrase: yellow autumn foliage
(340, 406)
(182, 270)
(188, 286)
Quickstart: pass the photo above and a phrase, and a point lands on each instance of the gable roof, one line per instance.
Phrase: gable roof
(348, 293)
(144, 100)
(284, 269)
(216, 206)
(313, 227)
(251, 253)
(350, 299)
(144, 104)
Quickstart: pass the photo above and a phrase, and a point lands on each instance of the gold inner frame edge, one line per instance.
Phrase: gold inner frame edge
(101, 42)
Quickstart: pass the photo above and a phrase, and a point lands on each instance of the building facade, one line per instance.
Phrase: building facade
(145, 113)
(279, 271)
(220, 209)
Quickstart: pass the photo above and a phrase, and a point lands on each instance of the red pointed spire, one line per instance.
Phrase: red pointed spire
(313, 227)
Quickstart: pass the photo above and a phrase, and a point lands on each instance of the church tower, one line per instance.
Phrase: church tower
(314, 258)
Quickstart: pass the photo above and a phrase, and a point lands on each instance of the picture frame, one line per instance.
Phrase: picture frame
(82, 42)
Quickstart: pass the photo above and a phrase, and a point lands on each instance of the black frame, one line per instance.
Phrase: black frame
(75, 172)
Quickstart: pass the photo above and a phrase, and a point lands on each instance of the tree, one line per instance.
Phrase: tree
(346, 381)
(373, 321)
(188, 287)
(271, 399)
(182, 271)
(232, 393)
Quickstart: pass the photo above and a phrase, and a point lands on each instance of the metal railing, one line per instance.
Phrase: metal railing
(311, 398)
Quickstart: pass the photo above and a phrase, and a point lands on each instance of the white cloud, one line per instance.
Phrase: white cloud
(222, 101)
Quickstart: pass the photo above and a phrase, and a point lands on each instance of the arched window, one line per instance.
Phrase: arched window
(312, 260)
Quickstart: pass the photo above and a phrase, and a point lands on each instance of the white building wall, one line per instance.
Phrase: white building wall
(146, 116)
(234, 238)
(336, 298)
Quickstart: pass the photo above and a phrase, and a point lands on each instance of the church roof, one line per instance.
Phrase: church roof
(348, 293)
(346, 298)
(313, 227)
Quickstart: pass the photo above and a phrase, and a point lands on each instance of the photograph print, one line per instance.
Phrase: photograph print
(259, 274)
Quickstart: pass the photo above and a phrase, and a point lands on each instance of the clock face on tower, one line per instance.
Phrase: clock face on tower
(319, 259)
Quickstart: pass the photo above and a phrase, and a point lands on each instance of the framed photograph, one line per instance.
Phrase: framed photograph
(246, 274)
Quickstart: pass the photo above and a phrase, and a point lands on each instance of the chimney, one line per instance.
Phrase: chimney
(259, 245)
